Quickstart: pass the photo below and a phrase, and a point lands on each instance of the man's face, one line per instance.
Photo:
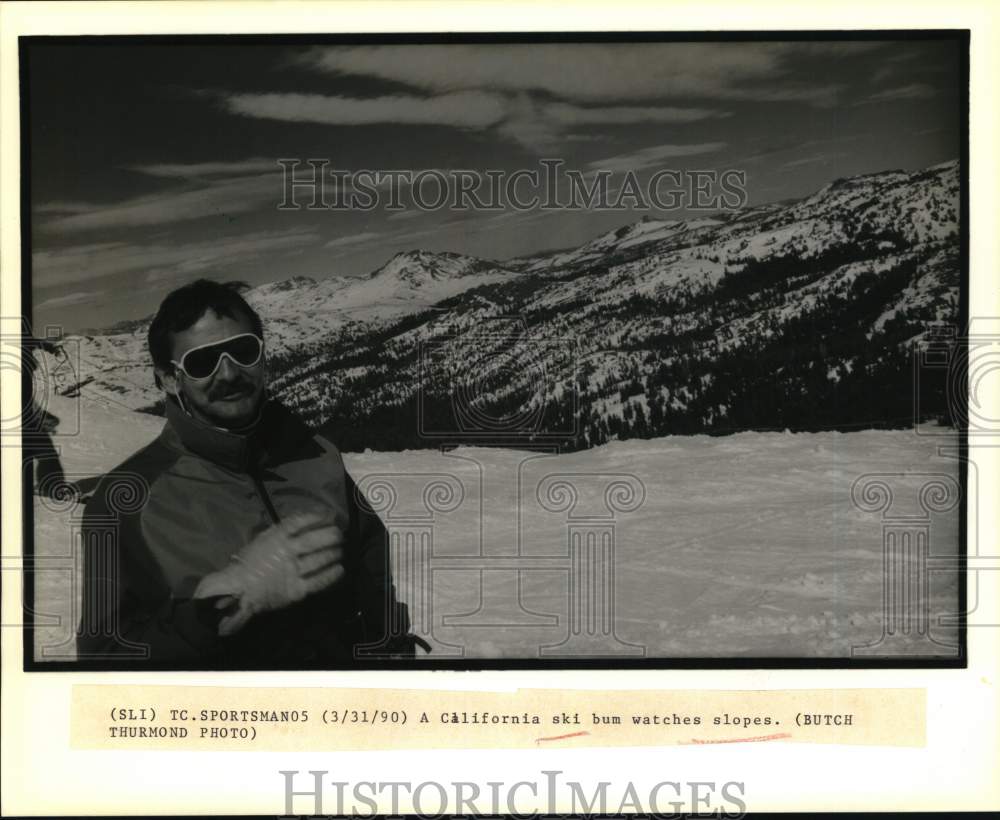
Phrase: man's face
(231, 396)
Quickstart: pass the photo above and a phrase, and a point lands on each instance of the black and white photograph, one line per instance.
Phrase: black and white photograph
(494, 351)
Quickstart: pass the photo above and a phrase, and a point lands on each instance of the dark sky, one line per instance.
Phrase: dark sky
(152, 165)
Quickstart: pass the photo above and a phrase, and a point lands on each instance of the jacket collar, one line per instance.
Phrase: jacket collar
(234, 450)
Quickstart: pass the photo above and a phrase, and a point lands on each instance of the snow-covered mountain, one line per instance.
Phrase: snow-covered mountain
(796, 314)
(114, 365)
(422, 269)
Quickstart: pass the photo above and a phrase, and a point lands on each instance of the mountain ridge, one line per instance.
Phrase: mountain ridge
(661, 311)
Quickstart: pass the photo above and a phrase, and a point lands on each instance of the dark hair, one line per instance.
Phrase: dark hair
(186, 305)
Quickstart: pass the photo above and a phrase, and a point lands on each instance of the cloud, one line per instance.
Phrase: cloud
(61, 207)
(395, 239)
(537, 124)
(836, 48)
(356, 239)
(541, 94)
(161, 260)
(200, 170)
(468, 109)
(896, 61)
(397, 216)
(913, 91)
(815, 158)
(76, 298)
(612, 72)
(648, 157)
(209, 197)
(787, 143)
(626, 115)
(543, 125)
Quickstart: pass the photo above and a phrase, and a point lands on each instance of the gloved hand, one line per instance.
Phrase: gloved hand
(295, 558)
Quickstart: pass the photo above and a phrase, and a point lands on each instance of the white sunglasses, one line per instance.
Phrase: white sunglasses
(200, 363)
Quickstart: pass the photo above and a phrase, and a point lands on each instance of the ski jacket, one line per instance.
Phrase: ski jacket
(181, 507)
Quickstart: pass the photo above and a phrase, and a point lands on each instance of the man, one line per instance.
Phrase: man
(247, 545)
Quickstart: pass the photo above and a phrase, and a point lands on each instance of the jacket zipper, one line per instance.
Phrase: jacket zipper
(258, 485)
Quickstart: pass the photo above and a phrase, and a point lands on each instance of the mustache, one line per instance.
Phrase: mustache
(231, 386)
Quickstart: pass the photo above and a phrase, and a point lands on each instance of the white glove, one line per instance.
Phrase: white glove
(297, 557)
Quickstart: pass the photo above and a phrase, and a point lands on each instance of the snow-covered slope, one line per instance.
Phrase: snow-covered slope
(747, 545)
